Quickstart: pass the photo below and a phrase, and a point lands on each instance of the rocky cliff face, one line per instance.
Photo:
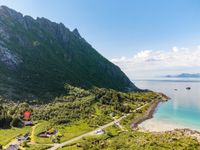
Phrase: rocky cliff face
(37, 57)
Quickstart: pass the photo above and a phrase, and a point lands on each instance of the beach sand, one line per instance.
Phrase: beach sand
(159, 126)
(153, 125)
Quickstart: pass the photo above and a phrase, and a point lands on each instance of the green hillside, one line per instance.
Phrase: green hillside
(37, 57)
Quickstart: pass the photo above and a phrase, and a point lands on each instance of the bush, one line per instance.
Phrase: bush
(16, 122)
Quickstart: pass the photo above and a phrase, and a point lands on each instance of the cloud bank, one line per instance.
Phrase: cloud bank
(151, 63)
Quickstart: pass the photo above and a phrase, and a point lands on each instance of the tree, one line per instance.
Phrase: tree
(16, 122)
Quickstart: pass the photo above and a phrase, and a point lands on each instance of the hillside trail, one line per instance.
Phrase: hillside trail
(32, 136)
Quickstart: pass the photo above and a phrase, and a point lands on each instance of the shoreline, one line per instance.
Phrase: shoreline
(149, 115)
(150, 111)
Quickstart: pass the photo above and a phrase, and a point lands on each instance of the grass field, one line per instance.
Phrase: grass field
(68, 131)
(74, 130)
(7, 135)
(43, 126)
(71, 147)
(36, 147)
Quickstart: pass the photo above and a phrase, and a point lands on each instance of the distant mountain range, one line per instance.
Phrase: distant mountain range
(184, 75)
(37, 57)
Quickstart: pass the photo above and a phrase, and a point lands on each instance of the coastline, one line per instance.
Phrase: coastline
(150, 111)
(162, 127)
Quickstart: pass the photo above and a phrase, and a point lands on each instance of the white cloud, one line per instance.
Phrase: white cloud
(175, 49)
(148, 63)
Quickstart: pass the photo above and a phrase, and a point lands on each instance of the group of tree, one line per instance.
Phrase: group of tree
(98, 104)
(11, 114)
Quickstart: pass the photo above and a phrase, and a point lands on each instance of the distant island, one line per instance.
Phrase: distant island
(184, 75)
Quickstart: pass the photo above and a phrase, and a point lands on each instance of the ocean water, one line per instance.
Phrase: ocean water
(182, 110)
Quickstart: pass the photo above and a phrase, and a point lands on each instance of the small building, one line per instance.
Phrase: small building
(49, 133)
(44, 135)
(23, 138)
(27, 123)
(12, 147)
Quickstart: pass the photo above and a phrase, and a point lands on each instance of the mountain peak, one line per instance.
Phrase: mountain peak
(76, 33)
(8, 15)
(4, 7)
(9, 11)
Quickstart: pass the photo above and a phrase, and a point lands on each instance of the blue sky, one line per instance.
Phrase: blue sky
(126, 28)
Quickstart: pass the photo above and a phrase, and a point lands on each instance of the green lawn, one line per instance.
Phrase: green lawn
(68, 131)
(113, 131)
(71, 147)
(37, 147)
(43, 126)
(74, 130)
(7, 135)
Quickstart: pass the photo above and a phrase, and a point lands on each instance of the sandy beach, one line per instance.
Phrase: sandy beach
(159, 126)
(153, 125)
(149, 124)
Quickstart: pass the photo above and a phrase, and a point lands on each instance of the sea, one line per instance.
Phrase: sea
(181, 111)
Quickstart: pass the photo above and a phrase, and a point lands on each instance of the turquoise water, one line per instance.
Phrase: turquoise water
(184, 106)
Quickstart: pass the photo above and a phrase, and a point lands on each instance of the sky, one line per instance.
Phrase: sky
(146, 38)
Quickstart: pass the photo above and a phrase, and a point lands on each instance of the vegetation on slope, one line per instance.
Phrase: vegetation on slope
(69, 114)
(37, 57)
(100, 105)
(136, 140)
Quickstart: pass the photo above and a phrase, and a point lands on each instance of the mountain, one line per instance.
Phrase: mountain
(37, 57)
(184, 75)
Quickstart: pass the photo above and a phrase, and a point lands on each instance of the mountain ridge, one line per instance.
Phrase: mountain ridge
(37, 57)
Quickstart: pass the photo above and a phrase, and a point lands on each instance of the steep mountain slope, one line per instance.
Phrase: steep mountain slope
(37, 57)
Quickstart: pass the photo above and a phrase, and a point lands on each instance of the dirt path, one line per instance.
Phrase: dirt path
(33, 133)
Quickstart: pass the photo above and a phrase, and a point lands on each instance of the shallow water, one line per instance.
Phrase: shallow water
(182, 111)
